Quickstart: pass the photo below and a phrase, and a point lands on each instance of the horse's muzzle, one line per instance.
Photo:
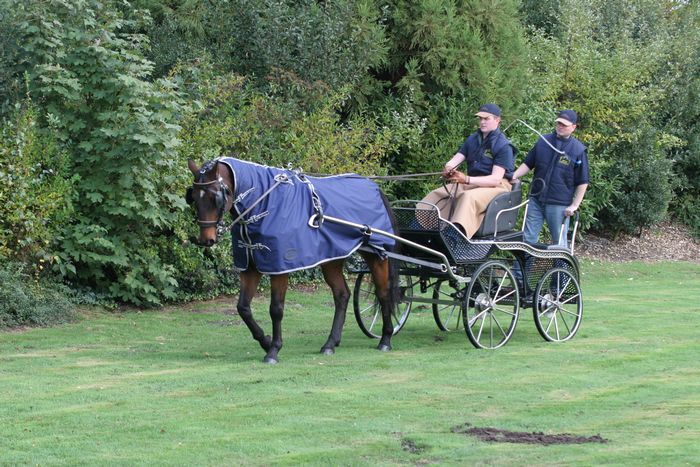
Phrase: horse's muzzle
(208, 242)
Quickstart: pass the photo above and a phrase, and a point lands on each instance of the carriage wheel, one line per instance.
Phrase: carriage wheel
(490, 309)
(448, 316)
(557, 305)
(368, 313)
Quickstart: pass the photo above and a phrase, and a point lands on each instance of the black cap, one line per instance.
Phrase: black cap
(567, 117)
(492, 109)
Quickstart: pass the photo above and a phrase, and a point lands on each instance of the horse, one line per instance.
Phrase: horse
(293, 205)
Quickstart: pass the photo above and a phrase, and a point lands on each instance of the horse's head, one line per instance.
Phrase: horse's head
(211, 195)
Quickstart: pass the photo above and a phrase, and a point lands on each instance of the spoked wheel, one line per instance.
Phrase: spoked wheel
(447, 306)
(490, 309)
(557, 305)
(368, 312)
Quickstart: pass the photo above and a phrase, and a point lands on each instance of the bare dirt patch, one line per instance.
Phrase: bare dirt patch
(411, 446)
(494, 435)
(665, 242)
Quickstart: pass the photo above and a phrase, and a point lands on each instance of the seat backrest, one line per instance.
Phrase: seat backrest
(507, 220)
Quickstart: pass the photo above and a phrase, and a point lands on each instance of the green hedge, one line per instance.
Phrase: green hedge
(25, 301)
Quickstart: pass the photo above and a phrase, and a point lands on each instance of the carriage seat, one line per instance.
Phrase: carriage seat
(505, 228)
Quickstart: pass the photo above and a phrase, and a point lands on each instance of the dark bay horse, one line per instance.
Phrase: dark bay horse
(269, 232)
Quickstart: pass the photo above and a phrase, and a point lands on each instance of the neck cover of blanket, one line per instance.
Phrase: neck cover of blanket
(276, 235)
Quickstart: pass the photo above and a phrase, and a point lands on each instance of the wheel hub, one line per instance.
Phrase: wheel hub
(547, 301)
(482, 302)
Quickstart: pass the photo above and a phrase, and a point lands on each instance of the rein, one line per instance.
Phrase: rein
(406, 177)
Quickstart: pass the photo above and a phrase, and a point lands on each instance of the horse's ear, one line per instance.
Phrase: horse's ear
(193, 167)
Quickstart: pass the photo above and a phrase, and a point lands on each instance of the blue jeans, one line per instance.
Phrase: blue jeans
(537, 213)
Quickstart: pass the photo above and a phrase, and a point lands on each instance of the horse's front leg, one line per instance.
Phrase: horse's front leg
(277, 295)
(333, 275)
(249, 284)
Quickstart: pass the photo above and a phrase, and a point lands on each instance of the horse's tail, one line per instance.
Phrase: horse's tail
(394, 290)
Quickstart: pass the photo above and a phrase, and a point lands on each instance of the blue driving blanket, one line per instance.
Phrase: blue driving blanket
(276, 234)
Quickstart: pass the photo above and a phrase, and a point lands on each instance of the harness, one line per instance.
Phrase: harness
(222, 194)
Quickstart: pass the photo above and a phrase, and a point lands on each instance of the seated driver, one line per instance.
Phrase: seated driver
(490, 164)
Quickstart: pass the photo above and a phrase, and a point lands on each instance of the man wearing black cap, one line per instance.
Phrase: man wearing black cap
(490, 164)
(560, 162)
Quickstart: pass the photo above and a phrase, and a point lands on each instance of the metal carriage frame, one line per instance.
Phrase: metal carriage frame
(477, 285)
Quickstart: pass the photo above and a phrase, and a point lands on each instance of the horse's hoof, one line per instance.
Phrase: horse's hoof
(384, 348)
(327, 351)
(270, 360)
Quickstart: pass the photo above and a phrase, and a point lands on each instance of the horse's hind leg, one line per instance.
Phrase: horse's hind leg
(333, 275)
(249, 284)
(277, 295)
(380, 275)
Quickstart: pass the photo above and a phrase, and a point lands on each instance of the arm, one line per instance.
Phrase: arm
(452, 164)
(497, 173)
(578, 197)
(501, 159)
(520, 172)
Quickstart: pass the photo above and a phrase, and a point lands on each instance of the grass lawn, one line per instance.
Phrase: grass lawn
(186, 386)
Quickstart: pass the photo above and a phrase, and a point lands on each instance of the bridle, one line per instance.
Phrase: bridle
(221, 194)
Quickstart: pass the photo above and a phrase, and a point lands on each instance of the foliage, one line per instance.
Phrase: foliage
(602, 64)
(89, 75)
(333, 42)
(679, 113)
(471, 48)
(445, 129)
(542, 15)
(297, 124)
(36, 189)
(26, 301)
(373, 87)
(201, 273)
(9, 55)
(645, 188)
(447, 58)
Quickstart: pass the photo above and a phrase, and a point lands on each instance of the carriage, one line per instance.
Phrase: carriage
(478, 285)
(285, 220)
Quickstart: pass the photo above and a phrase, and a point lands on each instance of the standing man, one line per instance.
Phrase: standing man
(560, 162)
(490, 164)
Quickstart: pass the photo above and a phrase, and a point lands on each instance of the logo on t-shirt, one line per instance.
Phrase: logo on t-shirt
(487, 153)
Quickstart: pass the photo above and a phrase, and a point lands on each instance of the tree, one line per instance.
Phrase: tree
(679, 113)
(604, 63)
(87, 72)
(333, 42)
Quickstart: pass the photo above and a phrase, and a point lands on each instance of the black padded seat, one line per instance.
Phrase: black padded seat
(505, 229)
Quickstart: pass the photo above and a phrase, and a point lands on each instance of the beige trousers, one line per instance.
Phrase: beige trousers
(470, 203)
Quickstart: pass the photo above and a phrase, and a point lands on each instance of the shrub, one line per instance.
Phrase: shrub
(36, 189)
(85, 66)
(645, 188)
(24, 301)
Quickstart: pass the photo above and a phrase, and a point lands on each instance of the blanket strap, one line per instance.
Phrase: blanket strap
(279, 179)
(316, 220)
(253, 246)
